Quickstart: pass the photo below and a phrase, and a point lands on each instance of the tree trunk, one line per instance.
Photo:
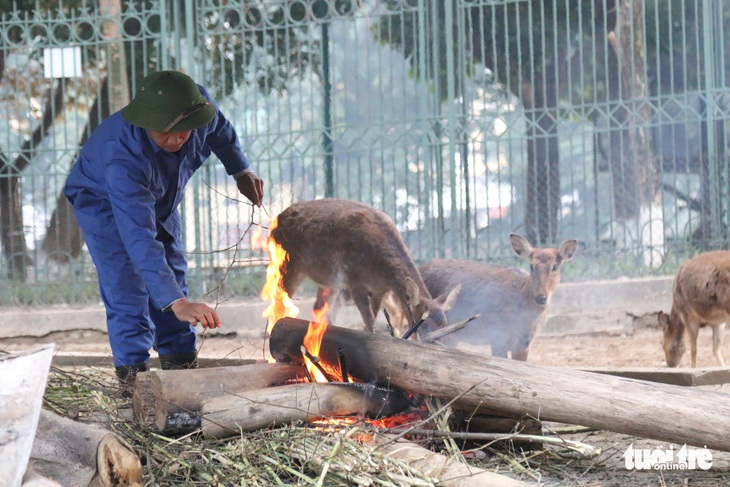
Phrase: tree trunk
(116, 58)
(12, 236)
(513, 388)
(634, 169)
(539, 96)
(543, 159)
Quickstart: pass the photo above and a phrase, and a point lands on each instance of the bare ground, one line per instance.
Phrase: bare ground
(636, 348)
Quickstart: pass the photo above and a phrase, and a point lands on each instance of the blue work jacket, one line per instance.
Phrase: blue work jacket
(125, 186)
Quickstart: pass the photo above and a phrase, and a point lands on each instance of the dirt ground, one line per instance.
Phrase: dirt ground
(637, 348)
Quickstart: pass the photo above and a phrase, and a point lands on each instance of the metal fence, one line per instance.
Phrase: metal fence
(464, 120)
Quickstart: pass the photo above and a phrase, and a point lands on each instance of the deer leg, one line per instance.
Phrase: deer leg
(376, 304)
(522, 347)
(717, 333)
(499, 350)
(326, 296)
(692, 332)
(323, 296)
(520, 354)
(362, 301)
(291, 280)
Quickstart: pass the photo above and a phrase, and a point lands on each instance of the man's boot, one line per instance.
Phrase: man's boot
(127, 374)
(173, 361)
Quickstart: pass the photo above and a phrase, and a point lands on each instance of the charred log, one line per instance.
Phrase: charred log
(512, 388)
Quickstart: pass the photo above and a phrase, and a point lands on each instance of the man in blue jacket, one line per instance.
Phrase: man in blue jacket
(125, 189)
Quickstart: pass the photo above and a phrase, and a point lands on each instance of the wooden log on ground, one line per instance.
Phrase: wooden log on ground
(79, 454)
(513, 388)
(676, 376)
(229, 415)
(34, 479)
(172, 399)
(449, 472)
(144, 403)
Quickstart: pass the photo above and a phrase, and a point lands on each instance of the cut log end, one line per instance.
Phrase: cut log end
(117, 463)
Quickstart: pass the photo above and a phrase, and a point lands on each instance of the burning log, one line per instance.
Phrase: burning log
(171, 400)
(74, 453)
(514, 388)
(231, 414)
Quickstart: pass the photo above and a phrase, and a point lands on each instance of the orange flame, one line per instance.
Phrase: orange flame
(258, 240)
(280, 305)
(313, 340)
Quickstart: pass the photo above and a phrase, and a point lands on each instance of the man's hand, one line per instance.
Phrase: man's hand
(252, 187)
(195, 313)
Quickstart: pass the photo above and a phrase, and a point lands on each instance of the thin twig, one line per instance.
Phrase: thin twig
(414, 328)
(447, 330)
(584, 450)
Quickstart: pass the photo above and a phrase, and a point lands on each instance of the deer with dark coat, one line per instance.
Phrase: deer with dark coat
(352, 249)
(700, 297)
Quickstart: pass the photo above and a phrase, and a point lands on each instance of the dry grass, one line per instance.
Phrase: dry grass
(299, 454)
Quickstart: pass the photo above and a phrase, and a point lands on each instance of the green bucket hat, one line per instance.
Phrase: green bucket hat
(168, 101)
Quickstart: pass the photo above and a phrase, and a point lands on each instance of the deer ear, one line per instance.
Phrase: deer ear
(447, 300)
(520, 245)
(663, 320)
(413, 294)
(568, 249)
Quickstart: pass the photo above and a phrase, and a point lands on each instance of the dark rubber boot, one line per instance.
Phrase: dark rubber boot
(127, 374)
(176, 361)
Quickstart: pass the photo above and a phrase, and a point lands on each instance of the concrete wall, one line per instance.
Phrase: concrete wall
(575, 308)
(607, 305)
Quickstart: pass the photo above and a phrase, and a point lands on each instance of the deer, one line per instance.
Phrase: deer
(510, 304)
(700, 297)
(353, 251)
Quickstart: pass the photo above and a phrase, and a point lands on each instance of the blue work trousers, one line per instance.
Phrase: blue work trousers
(135, 324)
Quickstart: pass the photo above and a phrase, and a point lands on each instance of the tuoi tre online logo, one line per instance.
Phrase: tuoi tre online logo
(686, 458)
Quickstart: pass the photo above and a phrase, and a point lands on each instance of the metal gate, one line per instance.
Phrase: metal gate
(464, 120)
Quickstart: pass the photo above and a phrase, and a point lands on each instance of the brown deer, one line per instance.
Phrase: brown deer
(700, 297)
(351, 249)
(511, 303)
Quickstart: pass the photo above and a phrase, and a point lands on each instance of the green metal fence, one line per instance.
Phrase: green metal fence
(464, 120)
